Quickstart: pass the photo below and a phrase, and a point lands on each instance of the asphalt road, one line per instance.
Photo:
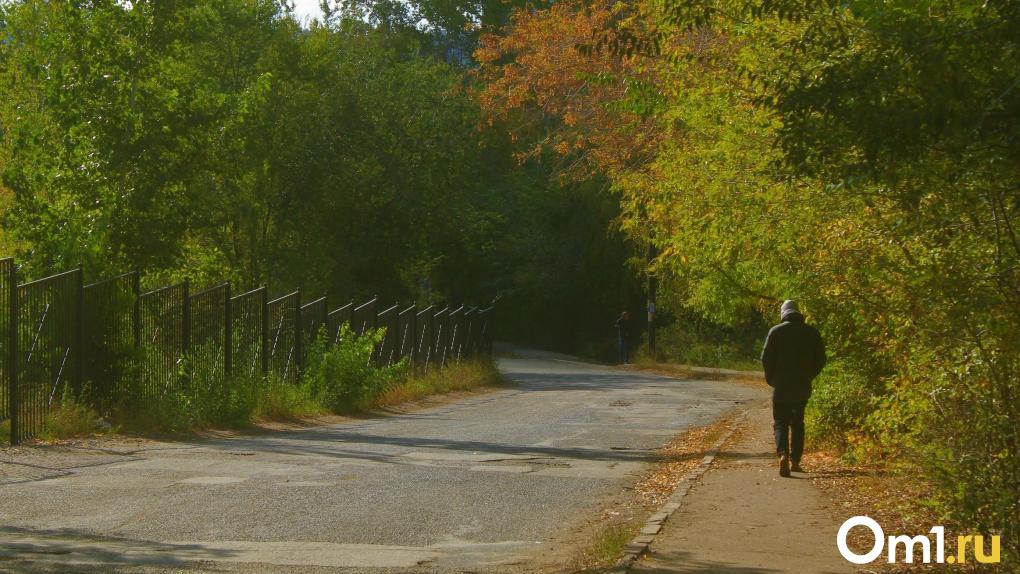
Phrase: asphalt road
(488, 483)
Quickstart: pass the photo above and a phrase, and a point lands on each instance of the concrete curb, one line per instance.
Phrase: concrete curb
(653, 525)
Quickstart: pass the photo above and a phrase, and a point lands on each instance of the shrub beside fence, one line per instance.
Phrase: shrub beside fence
(58, 334)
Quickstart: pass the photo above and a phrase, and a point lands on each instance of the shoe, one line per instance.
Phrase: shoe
(795, 466)
(784, 465)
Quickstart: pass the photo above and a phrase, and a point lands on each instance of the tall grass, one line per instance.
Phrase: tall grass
(281, 400)
(339, 378)
(605, 547)
(201, 395)
(71, 416)
(462, 376)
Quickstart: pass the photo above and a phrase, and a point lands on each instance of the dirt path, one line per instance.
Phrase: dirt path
(743, 518)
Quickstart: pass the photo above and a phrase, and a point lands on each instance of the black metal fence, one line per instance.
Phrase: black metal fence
(59, 335)
(111, 308)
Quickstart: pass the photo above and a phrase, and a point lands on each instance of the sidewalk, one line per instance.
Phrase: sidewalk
(743, 518)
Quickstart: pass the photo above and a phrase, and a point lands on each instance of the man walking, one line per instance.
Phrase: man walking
(793, 356)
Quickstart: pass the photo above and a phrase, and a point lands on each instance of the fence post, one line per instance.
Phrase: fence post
(136, 314)
(186, 325)
(412, 328)
(228, 335)
(265, 330)
(431, 318)
(299, 355)
(12, 355)
(79, 331)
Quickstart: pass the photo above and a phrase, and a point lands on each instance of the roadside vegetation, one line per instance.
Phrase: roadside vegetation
(862, 157)
(605, 546)
(822, 152)
(463, 376)
(339, 379)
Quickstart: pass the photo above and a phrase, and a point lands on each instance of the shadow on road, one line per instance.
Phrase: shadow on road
(30, 550)
(596, 380)
(292, 445)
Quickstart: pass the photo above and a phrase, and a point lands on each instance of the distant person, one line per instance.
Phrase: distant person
(793, 356)
(624, 331)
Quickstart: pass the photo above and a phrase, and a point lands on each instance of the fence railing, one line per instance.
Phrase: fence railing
(58, 334)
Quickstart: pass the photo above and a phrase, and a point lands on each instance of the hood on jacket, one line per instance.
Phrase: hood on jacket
(789, 308)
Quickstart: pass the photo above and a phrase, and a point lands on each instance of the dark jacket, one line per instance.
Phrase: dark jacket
(624, 328)
(793, 356)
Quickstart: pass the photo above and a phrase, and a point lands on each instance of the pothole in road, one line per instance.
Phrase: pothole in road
(621, 403)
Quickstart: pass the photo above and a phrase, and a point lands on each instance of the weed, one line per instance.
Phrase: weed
(69, 418)
(282, 400)
(343, 377)
(606, 546)
(456, 377)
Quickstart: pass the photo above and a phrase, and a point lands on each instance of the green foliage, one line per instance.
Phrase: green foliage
(344, 377)
(212, 398)
(199, 396)
(219, 140)
(686, 337)
(605, 547)
(337, 378)
(841, 402)
(560, 267)
(862, 158)
(283, 400)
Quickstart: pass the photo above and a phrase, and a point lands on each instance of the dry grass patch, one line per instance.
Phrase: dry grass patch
(463, 376)
(71, 418)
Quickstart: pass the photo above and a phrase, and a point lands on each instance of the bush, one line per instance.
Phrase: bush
(343, 377)
(200, 396)
(956, 425)
(841, 401)
(214, 398)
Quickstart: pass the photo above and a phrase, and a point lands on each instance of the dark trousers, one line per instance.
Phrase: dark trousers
(624, 351)
(788, 422)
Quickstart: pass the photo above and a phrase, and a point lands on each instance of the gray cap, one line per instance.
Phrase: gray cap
(789, 308)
